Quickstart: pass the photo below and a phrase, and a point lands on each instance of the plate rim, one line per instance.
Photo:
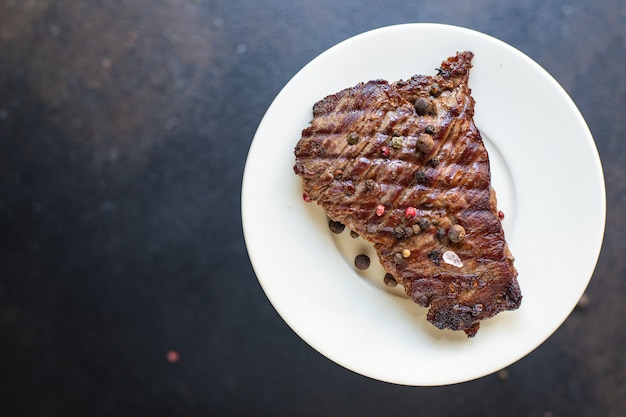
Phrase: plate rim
(409, 26)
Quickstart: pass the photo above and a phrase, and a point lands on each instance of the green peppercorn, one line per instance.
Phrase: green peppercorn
(353, 138)
(396, 142)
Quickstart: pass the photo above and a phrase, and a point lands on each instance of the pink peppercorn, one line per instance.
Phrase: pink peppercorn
(380, 210)
(410, 212)
(306, 198)
(384, 150)
(500, 214)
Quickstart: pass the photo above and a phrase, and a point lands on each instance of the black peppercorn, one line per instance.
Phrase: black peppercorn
(336, 227)
(389, 280)
(434, 256)
(423, 223)
(430, 129)
(420, 177)
(398, 258)
(422, 106)
(398, 232)
(362, 262)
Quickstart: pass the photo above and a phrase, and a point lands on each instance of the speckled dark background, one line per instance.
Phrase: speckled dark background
(124, 128)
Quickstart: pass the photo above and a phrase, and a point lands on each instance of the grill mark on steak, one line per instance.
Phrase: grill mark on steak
(450, 184)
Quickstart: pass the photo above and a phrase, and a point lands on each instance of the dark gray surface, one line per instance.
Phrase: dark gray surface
(124, 127)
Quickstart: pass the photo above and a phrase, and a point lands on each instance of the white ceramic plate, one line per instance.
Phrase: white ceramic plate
(546, 172)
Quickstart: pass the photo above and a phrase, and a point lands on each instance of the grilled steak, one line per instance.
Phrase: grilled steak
(403, 165)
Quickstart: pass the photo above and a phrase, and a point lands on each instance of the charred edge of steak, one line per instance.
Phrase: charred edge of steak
(449, 313)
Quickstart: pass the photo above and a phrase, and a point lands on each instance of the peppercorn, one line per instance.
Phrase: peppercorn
(396, 142)
(420, 177)
(337, 174)
(430, 129)
(422, 106)
(441, 232)
(406, 253)
(435, 91)
(353, 234)
(416, 229)
(380, 210)
(353, 138)
(336, 227)
(362, 262)
(425, 143)
(434, 256)
(423, 223)
(410, 212)
(398, 232)
(389, 280)
(434, 161)
(397, 258)
(384, 150)
(370, 184)
(456, 233)
(500, 215)
(408, 231)
(306, 198)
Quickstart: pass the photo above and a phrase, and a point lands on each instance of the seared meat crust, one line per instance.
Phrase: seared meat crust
(413, 144)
